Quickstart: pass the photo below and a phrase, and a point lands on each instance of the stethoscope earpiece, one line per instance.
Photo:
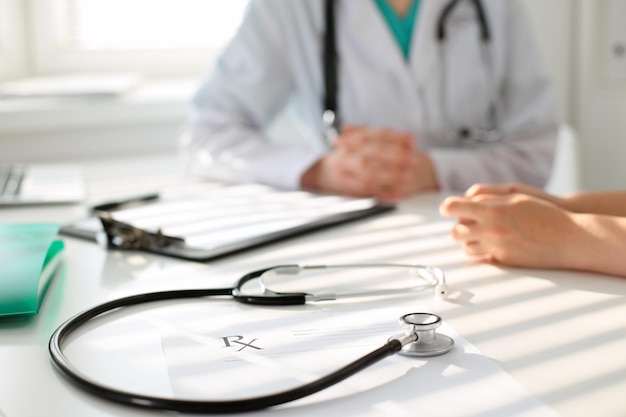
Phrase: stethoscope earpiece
(442, 291)
(426, 340)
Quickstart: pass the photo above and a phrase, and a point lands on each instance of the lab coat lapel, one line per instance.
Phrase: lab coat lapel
(423, 58)
(425, 66)
(373, 36)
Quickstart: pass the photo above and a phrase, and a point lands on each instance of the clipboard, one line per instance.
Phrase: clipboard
(217, 220)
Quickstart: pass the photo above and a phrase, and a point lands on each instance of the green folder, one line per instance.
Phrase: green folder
(29, 257)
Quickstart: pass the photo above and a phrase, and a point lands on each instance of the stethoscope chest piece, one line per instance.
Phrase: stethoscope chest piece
(428, 342)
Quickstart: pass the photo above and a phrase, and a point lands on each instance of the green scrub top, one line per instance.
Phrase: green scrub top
(401, 27)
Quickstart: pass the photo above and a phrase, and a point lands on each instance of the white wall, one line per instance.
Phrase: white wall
(147, 120)
(552, 22)
(600, 110)
(574, 36)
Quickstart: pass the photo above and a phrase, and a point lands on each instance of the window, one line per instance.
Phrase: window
(12, 58)
(148, 24)
(158, 37)
(169, 43)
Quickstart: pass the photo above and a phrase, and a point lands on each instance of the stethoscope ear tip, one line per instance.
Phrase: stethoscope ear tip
(442, 291)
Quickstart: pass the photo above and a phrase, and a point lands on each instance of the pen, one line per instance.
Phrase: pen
(129, 202)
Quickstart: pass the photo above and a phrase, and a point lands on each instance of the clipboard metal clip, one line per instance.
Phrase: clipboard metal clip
(120, 235)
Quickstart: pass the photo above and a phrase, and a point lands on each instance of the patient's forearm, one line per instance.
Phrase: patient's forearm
(611, 203)
(603, 245)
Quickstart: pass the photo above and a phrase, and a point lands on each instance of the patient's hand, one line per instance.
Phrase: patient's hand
(515, 229)
(513, 188)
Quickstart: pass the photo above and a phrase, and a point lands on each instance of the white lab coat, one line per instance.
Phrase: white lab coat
(275, 59)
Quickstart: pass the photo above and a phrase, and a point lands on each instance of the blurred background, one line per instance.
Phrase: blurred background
(99, 78)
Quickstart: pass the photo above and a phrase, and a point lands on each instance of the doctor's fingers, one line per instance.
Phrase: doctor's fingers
(356, 138)
(365, 183)
(389, 158)
(380, 152)
(349, 184)
(380, 186)
(376, 158)
(375, 169)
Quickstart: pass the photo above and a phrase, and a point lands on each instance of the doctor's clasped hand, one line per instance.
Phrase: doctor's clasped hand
(366, 162)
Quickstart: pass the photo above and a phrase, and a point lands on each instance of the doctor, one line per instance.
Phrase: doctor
(427, 94)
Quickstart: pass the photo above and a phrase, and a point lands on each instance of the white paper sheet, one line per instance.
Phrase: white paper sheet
(282, 348)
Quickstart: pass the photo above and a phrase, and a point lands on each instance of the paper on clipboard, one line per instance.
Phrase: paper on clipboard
(221, 220)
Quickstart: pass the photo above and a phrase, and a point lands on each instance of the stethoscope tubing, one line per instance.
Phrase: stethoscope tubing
(67, 369)
(273, 298)
(268, 298)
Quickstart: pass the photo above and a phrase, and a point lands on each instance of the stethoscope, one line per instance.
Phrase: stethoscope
(331, 122)
(420, 338)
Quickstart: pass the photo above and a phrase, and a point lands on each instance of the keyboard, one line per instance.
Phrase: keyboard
(41, 184)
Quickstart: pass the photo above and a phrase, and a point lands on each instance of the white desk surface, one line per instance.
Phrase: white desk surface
(560, 334)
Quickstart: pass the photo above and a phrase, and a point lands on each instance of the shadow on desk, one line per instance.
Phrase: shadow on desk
(537, 320)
